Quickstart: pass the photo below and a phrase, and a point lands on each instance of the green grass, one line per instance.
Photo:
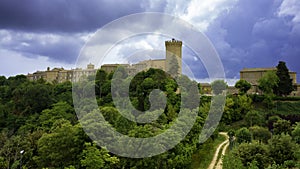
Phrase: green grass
(202, 158)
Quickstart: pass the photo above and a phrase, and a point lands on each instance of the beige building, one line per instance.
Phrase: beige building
(252, 75)
(61, 75)
(173, 51)
(108, 68)
(147, 64)
(48, 75)
(75, 75)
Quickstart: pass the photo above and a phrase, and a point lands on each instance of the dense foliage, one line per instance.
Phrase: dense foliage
(285, 84)
(39, 118)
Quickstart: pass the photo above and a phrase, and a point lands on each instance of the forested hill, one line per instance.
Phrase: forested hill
(39, 118)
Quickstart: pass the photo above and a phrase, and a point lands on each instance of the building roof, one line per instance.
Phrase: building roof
(261, 69)
(116, 64)
(258, 69)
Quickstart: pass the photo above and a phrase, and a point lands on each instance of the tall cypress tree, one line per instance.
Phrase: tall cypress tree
(285, 85)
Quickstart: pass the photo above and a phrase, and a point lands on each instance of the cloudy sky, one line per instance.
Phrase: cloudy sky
(246, 33)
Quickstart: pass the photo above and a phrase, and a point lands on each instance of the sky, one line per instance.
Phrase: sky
(245, 33)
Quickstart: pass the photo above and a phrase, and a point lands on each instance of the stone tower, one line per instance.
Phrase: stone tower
(173, 51)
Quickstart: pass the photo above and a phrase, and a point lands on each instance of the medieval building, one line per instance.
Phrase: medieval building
(173, 56)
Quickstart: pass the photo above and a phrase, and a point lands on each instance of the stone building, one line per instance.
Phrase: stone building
(108, 68)
(173, 51)
(60, 75)
(75, 75)
(252, 75)
(49, 75)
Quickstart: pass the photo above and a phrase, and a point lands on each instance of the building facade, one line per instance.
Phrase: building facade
(173, 51)
(60, 75)
(252, 75)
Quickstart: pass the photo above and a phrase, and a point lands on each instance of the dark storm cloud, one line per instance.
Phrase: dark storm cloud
(63, 15)
(57, 47)
(252, 34)
(54, 28)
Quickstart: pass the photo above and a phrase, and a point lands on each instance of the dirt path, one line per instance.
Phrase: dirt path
(219, 164)
(214, 160)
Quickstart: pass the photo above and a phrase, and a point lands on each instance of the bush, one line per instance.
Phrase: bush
(253, 118)
(260, 133)
(248, 153)
(243, 135)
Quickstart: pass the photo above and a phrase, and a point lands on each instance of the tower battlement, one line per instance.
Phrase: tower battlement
(173, 42)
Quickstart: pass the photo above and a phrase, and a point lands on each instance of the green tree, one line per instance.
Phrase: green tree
(63, 92)
(32, 97)
(11, 150)
(260, 133)
(16, 81)
(94, 158)
(285, 85)
(229, 115)
(271, 121)
(61, 147)
(282, 148)
(60, 110)
(282, 126)
(254, 117)
(231, 162)
(248, 153)
(100, 80)
(218, 86)
(268, 82)
(3, 80)
(243, 135)
(243, 104)
(243, 86)
(296, 133)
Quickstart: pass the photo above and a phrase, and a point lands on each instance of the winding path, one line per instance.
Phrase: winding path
(214, 160)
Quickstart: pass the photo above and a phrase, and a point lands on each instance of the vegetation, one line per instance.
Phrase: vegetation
(39, 118)
(285, 84)
(203, 156)
(268, 136)
(268, 82)
(243, 86)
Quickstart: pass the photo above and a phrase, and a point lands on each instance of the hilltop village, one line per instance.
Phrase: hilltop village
(173, 51)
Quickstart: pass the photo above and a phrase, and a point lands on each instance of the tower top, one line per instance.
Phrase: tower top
(90, 66)
(173, 42)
